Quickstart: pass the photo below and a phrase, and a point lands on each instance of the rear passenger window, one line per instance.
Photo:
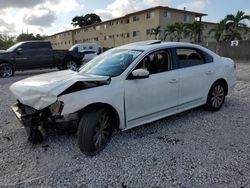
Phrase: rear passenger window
(36, 45)
(189, 57)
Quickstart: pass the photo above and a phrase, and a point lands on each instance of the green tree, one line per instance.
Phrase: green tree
(194, 31)
(218, 30)
(30, 36)
(86, 20)
(156, 32)
(6, 41)
(169, 31)
(180, 31)
(235, 26)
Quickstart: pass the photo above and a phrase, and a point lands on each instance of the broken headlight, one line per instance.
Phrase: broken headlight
(56, 108)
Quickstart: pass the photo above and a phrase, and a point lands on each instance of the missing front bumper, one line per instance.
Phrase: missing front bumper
(38, 123)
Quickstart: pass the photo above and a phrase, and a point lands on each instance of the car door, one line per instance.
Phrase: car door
(196, 76)
(153, 97)
(34, 54)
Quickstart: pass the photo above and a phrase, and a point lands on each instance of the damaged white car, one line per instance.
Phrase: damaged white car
(122, 88)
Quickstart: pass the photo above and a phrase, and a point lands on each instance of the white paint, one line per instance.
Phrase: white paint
(136, 101)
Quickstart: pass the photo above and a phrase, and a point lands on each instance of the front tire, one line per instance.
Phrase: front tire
(216, 96)
(94, 131)
(6, 70)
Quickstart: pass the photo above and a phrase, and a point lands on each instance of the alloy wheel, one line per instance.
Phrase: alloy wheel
(218, 96)
(6, 71)
(71, 65)
(102, 132)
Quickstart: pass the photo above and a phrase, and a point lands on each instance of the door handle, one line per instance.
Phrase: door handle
(174, 80)
(209, 72)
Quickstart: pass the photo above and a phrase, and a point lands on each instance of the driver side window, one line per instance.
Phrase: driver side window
(156, 62)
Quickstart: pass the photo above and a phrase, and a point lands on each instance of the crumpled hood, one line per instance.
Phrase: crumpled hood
(42, 90)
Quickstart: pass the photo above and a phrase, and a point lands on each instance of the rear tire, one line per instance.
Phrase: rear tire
(6, 70)
(60, 68)
(216, 96)
(94, 131)
(70, 64)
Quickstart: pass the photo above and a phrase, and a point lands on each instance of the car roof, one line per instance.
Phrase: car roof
(155, 44)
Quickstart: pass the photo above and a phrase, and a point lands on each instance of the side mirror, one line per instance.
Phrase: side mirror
(19, 51)
(139, 74)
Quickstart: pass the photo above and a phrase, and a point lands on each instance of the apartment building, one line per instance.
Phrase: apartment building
(132, 27)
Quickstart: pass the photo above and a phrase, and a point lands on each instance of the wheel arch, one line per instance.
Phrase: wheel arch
(93, 106)
(8, 62)
(222, 80)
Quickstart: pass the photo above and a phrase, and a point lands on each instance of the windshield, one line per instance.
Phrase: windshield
(12, 48)
(111, 63)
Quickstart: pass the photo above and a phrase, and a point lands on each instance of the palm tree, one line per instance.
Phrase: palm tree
(169, 31)
(179, 30)
(235, 25)
(156, 32)
(194, 30)
(218, 30)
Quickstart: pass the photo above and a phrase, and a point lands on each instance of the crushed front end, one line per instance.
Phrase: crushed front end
(38, 123)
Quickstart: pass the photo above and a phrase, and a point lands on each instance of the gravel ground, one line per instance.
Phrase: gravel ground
(192, 149)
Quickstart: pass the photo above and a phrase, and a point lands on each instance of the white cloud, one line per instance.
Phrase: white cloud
(40, 16)
(19, 3)
(6, 27)
(36, 16)
(62, 6)
(121, 7)
(194, 5)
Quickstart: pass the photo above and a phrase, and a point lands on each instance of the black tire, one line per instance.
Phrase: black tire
(94, 131)
(60, 68)
(6, 70)
(216, 96)
(70, 64)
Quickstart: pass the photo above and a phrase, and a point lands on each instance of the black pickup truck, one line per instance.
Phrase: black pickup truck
(37, 55)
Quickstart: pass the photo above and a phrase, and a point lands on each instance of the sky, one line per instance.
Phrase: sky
(47, 17)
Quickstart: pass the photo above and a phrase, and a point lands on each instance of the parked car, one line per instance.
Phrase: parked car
(37, 54)
(80, 47)
(88, 55)
(123, 88)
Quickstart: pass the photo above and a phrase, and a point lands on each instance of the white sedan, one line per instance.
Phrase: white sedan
(123, 88)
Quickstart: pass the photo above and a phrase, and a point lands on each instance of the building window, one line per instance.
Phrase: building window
(136, 18)
(186, 18)
(105, 26)
(167, 14)
(136, 33)
(127, 21)
(148, 31)
(150, 15)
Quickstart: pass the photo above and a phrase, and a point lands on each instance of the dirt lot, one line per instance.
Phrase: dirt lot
(192, 149)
